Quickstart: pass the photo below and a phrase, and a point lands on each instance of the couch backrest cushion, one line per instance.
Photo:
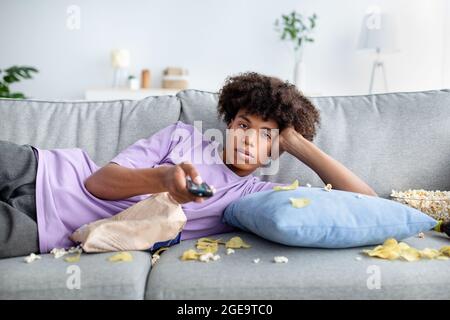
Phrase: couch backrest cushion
(392, 141)
(102, 128)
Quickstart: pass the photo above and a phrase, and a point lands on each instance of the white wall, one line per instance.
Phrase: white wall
(216, 38)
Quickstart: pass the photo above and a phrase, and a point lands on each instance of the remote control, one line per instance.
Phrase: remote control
(202, 190)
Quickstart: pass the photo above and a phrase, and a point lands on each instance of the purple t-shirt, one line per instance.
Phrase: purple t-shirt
(63, 203)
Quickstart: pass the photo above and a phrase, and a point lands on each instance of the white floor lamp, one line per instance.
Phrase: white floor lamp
(120, 60)
(377, 34)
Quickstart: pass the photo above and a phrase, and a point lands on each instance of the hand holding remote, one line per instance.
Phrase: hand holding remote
(175, 182)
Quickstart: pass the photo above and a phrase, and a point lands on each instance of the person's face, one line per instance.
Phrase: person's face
(249, 141)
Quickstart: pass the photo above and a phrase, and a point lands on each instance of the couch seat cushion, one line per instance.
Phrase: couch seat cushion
(311, 273)
(99, 278)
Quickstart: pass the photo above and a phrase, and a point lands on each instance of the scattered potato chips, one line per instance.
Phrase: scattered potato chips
(208, 247)
(121, 256)
(392, 250)
(299, 202)
(292, 186)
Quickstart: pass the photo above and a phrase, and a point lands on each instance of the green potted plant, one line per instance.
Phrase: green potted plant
(11, 75)
(297, 30)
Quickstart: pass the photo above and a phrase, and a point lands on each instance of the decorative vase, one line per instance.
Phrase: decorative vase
(299, 75)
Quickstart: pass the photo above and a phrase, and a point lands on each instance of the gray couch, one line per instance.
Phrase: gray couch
(392, 141)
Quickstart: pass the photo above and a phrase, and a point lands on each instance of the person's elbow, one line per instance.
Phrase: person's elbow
(89, 184)
(95, 188)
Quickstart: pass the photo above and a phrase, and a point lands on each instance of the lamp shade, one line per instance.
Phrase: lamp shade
(377, 33)
(120, 58)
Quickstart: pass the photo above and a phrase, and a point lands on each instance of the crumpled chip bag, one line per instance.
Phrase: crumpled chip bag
(392, 250)
(155, 219)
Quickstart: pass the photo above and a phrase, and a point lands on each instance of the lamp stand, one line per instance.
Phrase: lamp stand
(119, 76)
(378, 64)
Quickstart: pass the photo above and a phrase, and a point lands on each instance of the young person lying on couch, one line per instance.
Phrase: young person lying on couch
(45, 199)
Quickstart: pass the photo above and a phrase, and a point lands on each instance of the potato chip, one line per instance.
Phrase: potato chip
(210, 240)
(390, 253)
(299, 202)
(208, 247)
(292, 186)
(410, 254)
(236, 243)
(445, 250)
(121, 256)
(190, 254)
(403, 246)
(74, 258)
(429, 253)
(328, 187)
(390, 242)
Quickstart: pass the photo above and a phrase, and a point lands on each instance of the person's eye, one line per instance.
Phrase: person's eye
(266, 134)
(243, 126)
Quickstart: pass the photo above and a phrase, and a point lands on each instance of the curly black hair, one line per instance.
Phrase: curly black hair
(270, 98)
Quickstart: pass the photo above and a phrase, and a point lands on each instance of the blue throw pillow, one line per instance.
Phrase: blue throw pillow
(334, 219)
